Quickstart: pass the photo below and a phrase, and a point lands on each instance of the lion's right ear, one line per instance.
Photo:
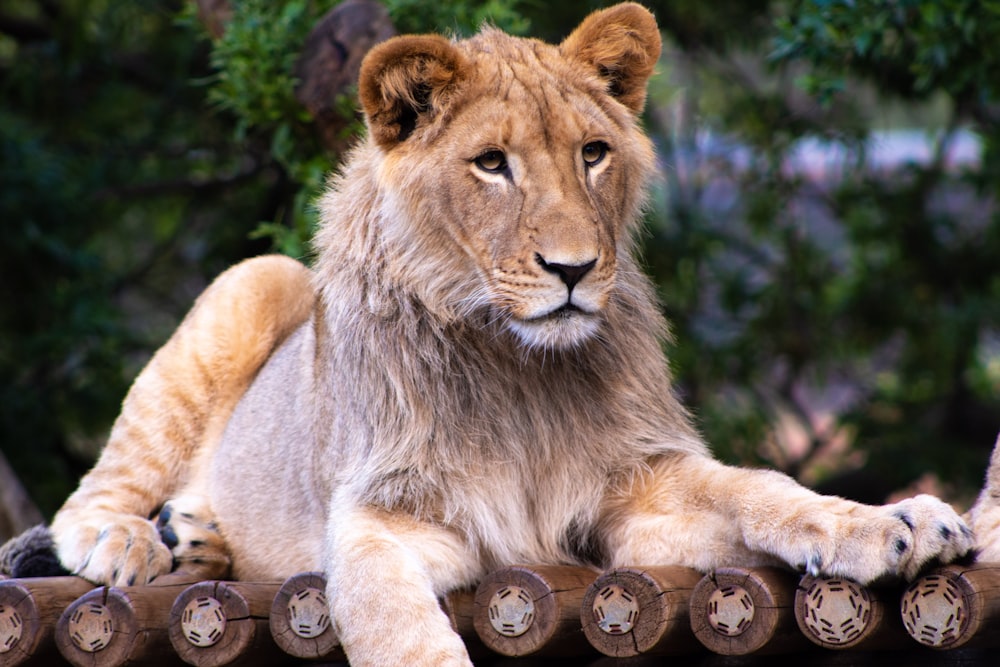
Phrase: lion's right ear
(405, 80)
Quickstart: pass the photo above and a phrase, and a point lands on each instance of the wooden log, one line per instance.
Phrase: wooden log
(300, 619)
(112, 626)
(841, 614)
(630, 611)
(214, 623)
(301, 627)
(329, 63)
(523, 610)
(29, 610)
(738, 611)
(18, 512)
(460, 607)
(954, 606)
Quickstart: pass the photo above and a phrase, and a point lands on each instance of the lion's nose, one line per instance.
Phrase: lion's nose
(570, 274)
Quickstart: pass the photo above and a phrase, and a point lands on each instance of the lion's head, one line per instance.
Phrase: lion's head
(511, 171)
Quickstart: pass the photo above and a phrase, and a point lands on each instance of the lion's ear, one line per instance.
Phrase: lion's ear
(404, 79)
(622, 43)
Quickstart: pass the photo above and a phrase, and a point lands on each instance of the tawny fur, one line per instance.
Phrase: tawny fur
(984, 517)
(454, 400)
(174, 413)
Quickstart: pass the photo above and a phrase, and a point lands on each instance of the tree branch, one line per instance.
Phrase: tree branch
(17, 511)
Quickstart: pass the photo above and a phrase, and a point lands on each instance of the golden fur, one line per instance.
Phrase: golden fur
(479, 381)
(984, 517)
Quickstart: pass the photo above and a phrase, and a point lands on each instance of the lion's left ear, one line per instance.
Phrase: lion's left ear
(405, 80)
(622, 43)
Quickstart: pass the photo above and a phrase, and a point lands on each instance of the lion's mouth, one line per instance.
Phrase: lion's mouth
(564, 327)
(563, 312)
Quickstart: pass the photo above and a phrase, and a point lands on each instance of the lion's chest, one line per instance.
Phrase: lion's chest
(512, 513)
(507, 449)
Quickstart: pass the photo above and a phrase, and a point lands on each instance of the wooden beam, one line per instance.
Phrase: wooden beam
(533, 610)
(630, 611)
(954, 606)
(111, 626)
(300, 619)
(739, 611)
(840, 614)
(18, 511)
(216, 623)
(29, 609)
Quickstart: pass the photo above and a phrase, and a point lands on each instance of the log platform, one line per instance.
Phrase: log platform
(954, 606)
(533, 610)
(526, 616)
(111, 626)
(631, 611)
(300, 619)
(217, 623)
(29, 609)
(840, 614)
(739, 611)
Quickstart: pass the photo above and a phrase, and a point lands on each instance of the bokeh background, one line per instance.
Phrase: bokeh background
(823, 230)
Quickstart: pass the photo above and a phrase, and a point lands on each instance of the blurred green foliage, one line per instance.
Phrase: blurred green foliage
(832, 279)
(119, 195)
(254, 82)
(835, 316)
(911, 48)
(456, 17)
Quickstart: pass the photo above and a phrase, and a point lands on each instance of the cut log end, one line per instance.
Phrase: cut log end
(97, 629)
(28, 609)
(523, 611)
(511, 611)
(936, 610)
(300, 618)
(11, 628)
(203, 622)
(632, 611)
(840, 614)
(835, 612)
(739, 611)
(215, 623)
(731, 610)
(308, 613)
(91, 627)
(615, 609)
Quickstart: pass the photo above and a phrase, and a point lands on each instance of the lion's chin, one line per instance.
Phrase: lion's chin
(562, 329)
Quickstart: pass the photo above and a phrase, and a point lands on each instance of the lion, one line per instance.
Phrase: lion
(471, 376)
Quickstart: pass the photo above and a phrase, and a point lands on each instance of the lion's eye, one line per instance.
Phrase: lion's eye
(594, 152)
(493, 161)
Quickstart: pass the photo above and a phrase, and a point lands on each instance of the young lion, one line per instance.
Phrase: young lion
(472, 377)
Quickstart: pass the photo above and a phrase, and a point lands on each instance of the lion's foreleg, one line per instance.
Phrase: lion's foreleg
(178, 405)
(692, 510)
(385, 574)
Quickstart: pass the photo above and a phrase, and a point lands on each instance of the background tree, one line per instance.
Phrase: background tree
(837, 311)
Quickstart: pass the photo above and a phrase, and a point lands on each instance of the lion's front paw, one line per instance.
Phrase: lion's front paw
(892, 540)
(937, 533)
(187, 526)
(110, 548)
